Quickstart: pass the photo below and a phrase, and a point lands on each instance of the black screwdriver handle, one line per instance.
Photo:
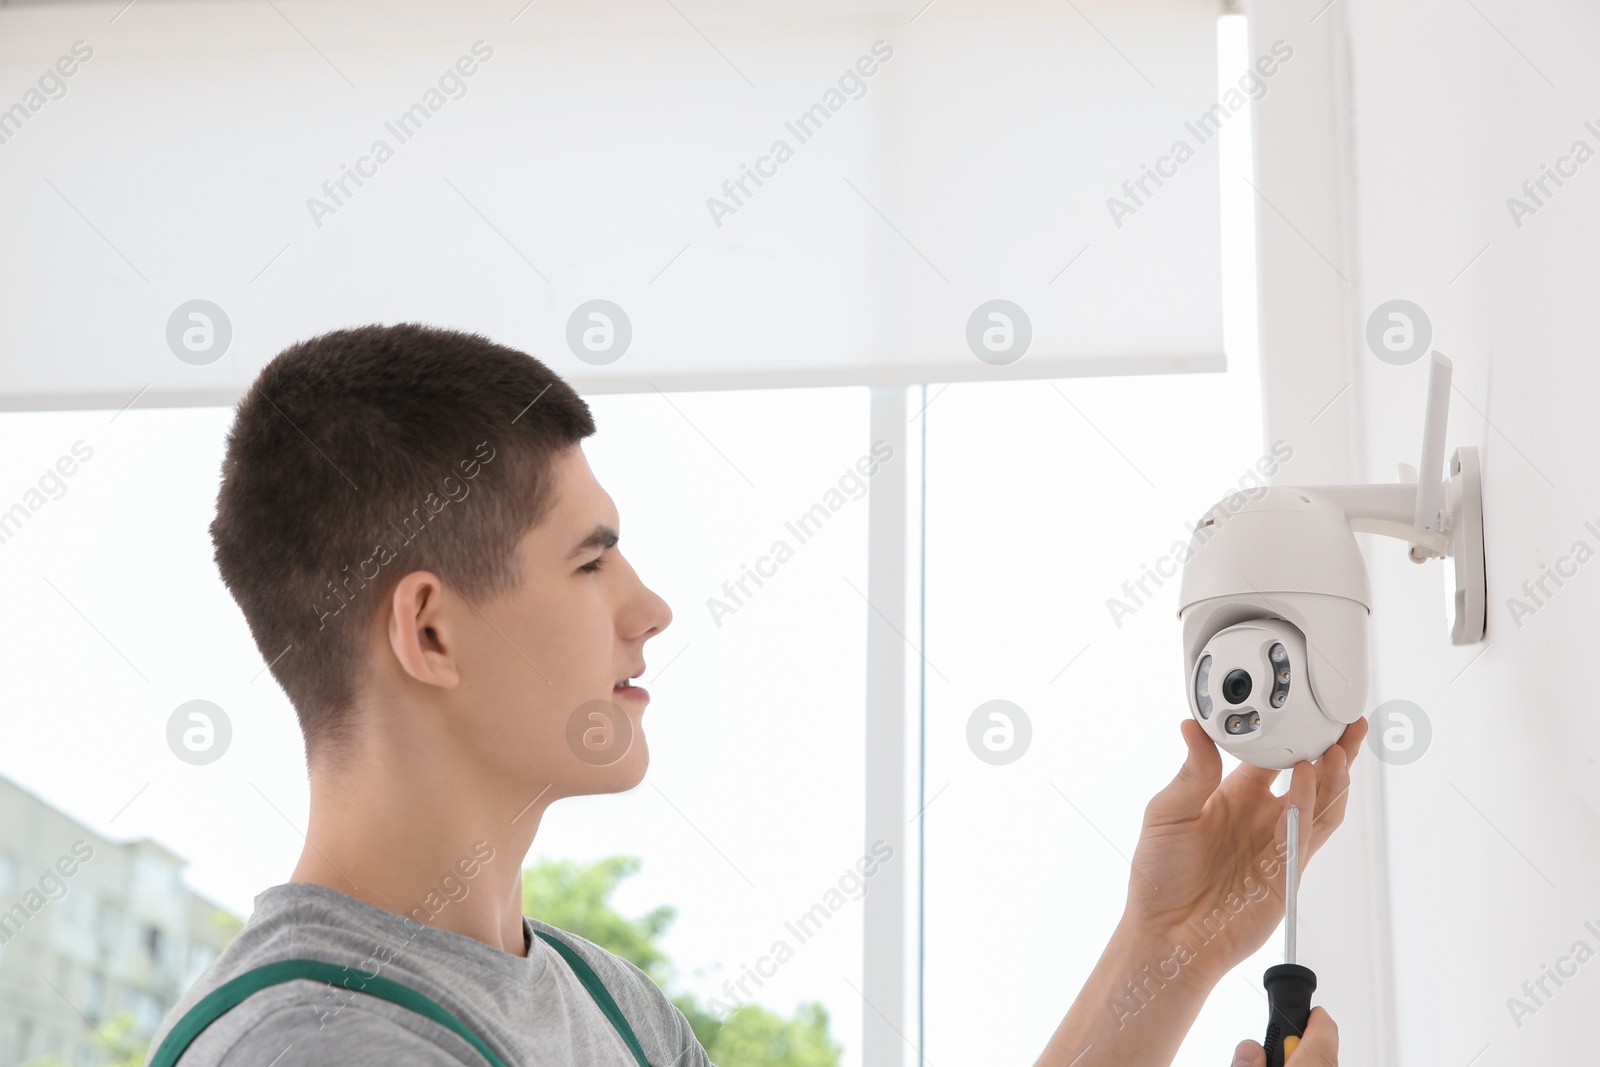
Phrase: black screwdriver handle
(1289, 988)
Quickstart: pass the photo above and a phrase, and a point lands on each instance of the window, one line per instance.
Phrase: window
(78, 913)
(751, 812)
(200, 957)
(156, 880)
(94, 995)
(108, 925)
(147, 1011)
(1041, 499)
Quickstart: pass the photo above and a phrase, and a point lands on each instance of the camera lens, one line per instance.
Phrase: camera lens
(1236, 686)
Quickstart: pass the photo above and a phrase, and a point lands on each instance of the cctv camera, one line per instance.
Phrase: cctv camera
(1275, 598)
(1275, 602)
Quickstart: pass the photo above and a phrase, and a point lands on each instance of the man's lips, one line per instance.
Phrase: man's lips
(632, 692)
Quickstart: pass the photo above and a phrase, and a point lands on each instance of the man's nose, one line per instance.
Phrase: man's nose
(660, 613)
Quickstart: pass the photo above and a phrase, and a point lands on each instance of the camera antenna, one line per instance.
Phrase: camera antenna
(1430, 471)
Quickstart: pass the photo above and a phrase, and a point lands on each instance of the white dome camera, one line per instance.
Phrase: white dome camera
(1275, 598)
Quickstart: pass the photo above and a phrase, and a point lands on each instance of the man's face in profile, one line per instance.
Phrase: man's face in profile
(540, 677)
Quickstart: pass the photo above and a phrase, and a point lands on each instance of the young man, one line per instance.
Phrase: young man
(409, 524)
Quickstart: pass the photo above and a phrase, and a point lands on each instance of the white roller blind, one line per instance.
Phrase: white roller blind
(930, 161)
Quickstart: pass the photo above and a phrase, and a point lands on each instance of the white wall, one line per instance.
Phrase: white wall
(1491, 840)
(1494, 840)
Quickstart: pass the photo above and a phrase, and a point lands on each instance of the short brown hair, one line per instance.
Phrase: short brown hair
(335, 466)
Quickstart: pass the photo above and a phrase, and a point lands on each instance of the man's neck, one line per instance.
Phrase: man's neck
(417, 838)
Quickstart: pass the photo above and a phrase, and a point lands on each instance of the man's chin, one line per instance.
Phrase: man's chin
(618, 777)
(607, 746)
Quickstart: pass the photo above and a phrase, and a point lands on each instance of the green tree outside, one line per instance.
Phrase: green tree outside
(577, 897)
(120, 1043)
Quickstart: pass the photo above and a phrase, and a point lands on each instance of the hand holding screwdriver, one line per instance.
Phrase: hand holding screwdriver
(1319, 1048)
(1289, 985)
(1291, 1020)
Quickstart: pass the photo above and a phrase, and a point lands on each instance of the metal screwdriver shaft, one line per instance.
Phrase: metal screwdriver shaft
(1291, 884)
(1289, 985)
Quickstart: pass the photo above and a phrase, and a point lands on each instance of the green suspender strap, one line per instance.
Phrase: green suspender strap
(602, 997)
(230, 993)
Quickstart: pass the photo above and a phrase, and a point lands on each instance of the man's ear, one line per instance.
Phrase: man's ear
(421, 630)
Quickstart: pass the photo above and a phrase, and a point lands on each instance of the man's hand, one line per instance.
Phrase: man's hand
(1208, 871)
(1319, 1047)
(1206, 891)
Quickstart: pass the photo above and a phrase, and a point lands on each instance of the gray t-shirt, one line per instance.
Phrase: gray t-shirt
(530, 1010)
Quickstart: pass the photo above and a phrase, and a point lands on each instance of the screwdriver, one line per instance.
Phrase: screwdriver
(1289, 985)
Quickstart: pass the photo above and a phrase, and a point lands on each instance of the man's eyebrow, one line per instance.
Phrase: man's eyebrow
(602, 536)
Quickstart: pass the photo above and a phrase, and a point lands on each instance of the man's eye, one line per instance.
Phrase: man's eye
(592, 567)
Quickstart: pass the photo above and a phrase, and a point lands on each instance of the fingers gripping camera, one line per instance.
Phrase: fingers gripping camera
(1275, 598)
